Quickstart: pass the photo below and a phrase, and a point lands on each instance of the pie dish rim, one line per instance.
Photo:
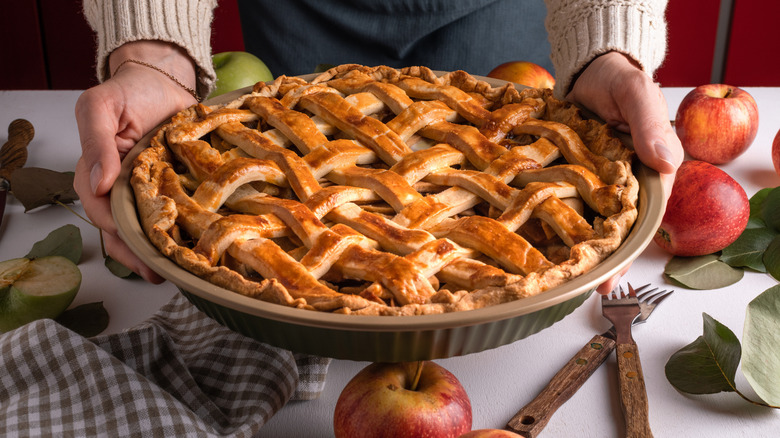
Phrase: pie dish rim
(650, 213)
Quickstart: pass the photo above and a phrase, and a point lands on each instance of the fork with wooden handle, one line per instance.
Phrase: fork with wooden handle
(533, 417)
(633, 394)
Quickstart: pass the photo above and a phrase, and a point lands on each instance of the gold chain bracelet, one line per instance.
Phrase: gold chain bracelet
(192, 92)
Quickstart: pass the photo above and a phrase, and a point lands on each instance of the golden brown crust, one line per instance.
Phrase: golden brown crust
(373, 190)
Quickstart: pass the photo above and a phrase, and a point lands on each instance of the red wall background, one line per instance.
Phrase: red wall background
(752, 49)
(754, 46)
(691, 32)
(47, 44)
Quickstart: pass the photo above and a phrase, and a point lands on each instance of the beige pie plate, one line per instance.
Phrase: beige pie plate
(384, 338)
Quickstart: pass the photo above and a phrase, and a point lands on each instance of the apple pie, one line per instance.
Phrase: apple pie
(382, 191)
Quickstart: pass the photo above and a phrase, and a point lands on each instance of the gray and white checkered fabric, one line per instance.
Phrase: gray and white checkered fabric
(177, 374)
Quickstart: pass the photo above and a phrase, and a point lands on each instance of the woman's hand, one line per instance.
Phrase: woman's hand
(614, 87)
(113, 116)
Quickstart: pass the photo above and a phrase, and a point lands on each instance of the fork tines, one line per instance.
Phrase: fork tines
(653, 295)
(623, 300)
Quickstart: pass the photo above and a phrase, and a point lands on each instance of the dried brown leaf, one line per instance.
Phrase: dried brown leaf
(35, 187)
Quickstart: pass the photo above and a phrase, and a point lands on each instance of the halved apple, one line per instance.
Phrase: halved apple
(32, 289)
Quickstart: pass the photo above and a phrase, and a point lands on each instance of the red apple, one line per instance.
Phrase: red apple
(776, 152)
(490, 433)
(706, 211)
(402, 400)
(525, 73)
(716, 122)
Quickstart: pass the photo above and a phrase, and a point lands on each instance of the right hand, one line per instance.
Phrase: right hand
(113, 116)
(614, 87)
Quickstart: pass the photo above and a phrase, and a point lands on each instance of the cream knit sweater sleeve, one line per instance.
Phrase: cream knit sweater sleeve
(186, 23)
(580, 30)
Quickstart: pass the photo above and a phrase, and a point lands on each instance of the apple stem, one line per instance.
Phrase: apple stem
(417, 375)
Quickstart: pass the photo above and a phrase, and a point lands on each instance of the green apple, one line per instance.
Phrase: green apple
(32, 289)
(238, 70)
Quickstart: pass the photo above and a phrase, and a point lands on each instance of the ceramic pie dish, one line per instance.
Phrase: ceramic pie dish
(385, 338)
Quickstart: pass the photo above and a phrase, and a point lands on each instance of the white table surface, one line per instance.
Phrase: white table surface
(498, 381)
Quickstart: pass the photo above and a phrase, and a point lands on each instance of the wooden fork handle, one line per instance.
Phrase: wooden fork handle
(534, 416)
(633, 394)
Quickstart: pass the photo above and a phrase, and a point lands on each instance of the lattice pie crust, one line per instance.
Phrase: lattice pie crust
(372, 190)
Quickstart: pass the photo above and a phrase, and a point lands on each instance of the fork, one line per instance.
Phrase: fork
(648, 300)
(534, 416)
(633, 395)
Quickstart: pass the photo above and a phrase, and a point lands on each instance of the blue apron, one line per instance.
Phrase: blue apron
(294, 36)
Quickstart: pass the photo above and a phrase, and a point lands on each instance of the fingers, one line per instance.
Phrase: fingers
(111, 118)
(98, 210)
(120, 252)
(616, 89)
(97, 117)
(98, 114)
(644, 110)
(609, 285)
(655, 141)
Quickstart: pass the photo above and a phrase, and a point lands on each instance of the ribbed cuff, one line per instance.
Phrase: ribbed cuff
(581, 30)
(186, 23)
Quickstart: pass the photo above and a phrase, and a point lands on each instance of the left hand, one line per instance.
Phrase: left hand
(113, 116)
(626, 98)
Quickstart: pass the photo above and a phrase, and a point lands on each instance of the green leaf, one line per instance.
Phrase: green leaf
(757, 209)
(87, 319)
(64, 241)
(702, 272)
(118, 269)
(761, 340)
(772, 258)
(748, 250)
(708, 364)
(35, 187)
(771, 211)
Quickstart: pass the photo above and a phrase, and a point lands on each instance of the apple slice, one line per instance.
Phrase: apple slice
(32, 289)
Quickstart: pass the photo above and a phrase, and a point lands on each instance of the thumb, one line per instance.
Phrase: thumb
(655, 141)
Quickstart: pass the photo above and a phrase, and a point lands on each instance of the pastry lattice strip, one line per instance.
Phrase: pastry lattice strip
(449, 177)
(342, 161)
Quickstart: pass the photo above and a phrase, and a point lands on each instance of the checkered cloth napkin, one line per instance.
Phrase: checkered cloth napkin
(177, 374)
